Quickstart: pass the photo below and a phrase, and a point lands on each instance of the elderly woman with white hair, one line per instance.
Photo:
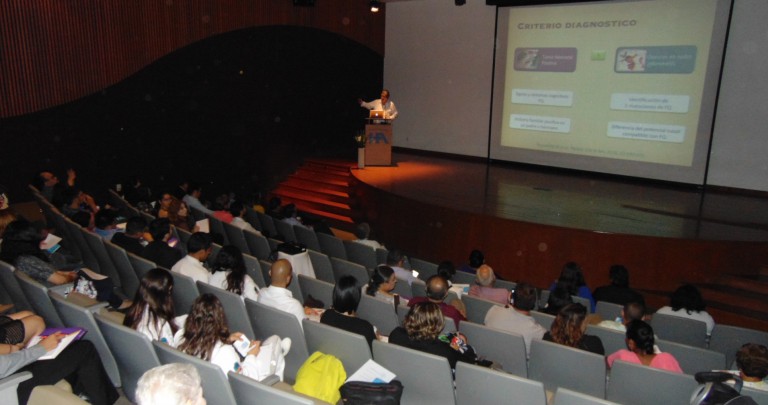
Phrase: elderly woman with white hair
(174, 383)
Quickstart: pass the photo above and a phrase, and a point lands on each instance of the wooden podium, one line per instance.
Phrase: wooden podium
(378, 147)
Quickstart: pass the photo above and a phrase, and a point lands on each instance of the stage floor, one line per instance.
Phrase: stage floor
(573, 200)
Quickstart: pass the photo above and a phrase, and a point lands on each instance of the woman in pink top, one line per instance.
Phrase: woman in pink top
(640, 342)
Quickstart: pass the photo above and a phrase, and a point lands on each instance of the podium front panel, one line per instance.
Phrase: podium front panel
(378, 147)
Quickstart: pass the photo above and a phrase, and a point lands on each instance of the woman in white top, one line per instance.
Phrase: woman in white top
(152, 310)
(687, 302)
(229, 273)
(205, 335)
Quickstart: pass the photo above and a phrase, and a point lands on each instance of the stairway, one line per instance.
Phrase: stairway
(738, 299)
(322, 188)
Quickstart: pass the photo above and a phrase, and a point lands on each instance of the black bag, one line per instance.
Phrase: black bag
(363, 393)
(714, 391)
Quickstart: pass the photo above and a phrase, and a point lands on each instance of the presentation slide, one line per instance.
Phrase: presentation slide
(611, 83)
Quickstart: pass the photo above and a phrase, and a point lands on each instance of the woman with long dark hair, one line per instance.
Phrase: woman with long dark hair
(572, 280)
(229, 273)
(152, 312)
(687, 302)
(343, 313)
(568, 330)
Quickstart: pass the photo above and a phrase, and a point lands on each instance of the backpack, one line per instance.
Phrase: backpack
(714, 391)
(320, 377)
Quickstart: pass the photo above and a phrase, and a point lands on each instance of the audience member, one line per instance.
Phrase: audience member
(558, 298)
(485, 280)
(518, 319)
(181, 190)
(178, 215)
(152, 312)
(158, 251)
(291, 215)
(5, 203)
(277, 295)
(630, 312)
(132, 240)
(618, 292)
(206, 335)
(237, 209)
(106, 224)
(198, 250)
(476, 259)
(381, 284)
(229, 273)
(437, 291)
(137, 193)
(572, 279)
(164, 205)
(752, 363)
(687, 302)
(220, 209)
(396, 260)
(170, 384)
(362, 232)
(193, 198)
(74, 201)
(49, 186)
(568, 329)
(446, 270)
(343, 313)
(641, 342)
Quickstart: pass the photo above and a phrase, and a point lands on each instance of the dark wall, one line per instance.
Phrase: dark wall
(237, 111)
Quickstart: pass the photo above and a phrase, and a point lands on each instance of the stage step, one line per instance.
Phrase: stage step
(322, 177)
(300, 183)
(314, 194)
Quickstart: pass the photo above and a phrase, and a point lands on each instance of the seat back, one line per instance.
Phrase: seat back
(253, 267)
(426, 378)
(11, 285)
(564, 396)
(728, 340)
(583, 301)
(307, 237)
(352, 349)
(343, 267)
(760, 396)
(252, 218)
(403, 289)
(332, 246)
(426, 269)
(267, 225)
(236, 237)
(613, 340)
(216, 388)
(507, 285)
(319, 289)
(106, 267)
(322, 266)
(481, 385)
(140, 265)
(381, 255)
(545, 320)
(477, 308)
(265, 268)
(129, 282)
(249, 391)
(608, 310)
(681, 330)
(637, 384)
(462, 277)
(72, 315)
(504, 348)
(268, 321)
(360, 254)
(132, 352)
(9, 386)
(183, 237)
(184, 293)
(234, 308)
(76, 232)
(693, 359)
(257, 245)
(37, 295)
(379, 313)
(560, 366)
(284, 231)
(217, 228)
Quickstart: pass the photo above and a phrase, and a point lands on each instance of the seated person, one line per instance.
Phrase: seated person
(343, 313)
(752, 361)
(641, 342)
(437, 291)
(277, 295)
(485, 280)
(17, 329)
(152, 312)
(446, 270)
(106, 224)
(558, 298)
(199, 247)
(687, 302)
(178, 215)
(137, 193)
(363, 231)
(572, 279)
(229, 273)
(158, 251)
(396, 260)
(618, 292)
(164, 203)
(192, 199)
(381, 285)
(291, 215)
(174, 383)
(476, 259)
(75, 201)
(132, 240)
(568, 329)
(517, 318)
(237, 209)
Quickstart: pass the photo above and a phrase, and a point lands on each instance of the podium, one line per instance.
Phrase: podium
(378, 147)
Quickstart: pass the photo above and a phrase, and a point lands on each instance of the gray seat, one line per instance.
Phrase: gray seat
(564, 396)
(216, 388)
(352, 349)
(307, 237)
(252, 218)
(543, 319)
(215, 249)
(319, 289)
(183, 237)
(268, 321)
(106, 267)
(477, 308)
(656, 387)
(141, 265)
(258, 245)
(184, 293)
(343, 267)
(132, 351)
(284, 231)
(560, 366)
(74, 315)
(427, 379)
(760, 396)
(267, 225)
(693, 359)
(462, 277)
(236, 237)
(450, 326)
(426, 269)
(583, 301)
(251, 392)
(37, 295)
(507, 285)
(234, 308)
(402, 288)
(332, 246)
(253, 268)
(9, 386)
(265, 268)
(76, 232)
(360, 254)
(128, 279)
(613, 340)
(11, 285)
(381, 255)
(541, 303)
(504, 348)
(217, 228)
(380, 313)
(608, 310)
(322, 266)
(483, 386)
(728, 340)
(681, 330)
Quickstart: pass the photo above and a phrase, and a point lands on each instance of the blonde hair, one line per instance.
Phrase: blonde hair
(424, 321)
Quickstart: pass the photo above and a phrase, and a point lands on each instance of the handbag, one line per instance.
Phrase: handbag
(365, 393)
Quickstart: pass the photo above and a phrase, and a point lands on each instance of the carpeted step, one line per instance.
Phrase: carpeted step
(315, 194)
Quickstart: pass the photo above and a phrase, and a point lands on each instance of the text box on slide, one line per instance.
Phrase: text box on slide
(554, 98)
(545, 59)
(646, 132)
(664, 103)
(540, 123)
(655, 59)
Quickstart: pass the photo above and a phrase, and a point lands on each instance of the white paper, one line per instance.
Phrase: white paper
(50, 241)
(372, 371)
(203, 225)
(55, 352)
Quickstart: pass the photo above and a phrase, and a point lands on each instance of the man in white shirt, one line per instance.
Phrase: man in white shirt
(237, 209)
(382, 104)
(362, 231)
(396, 260)
(191, 265)
(277, 294)
(518, 319)
(193, 198)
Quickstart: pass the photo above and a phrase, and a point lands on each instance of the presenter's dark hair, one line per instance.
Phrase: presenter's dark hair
(346, 294)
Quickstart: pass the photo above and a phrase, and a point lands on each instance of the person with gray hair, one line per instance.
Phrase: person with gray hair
(170, 384)
(485, 279)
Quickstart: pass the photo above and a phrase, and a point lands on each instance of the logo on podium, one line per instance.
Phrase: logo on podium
(377, 137)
